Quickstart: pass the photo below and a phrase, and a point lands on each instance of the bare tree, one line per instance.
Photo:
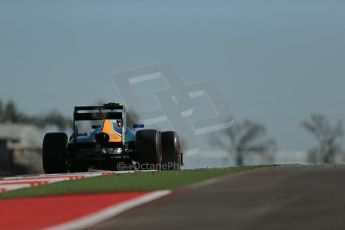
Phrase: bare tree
(247, 137)
(327, 138)
(11, 113)
(57, 119)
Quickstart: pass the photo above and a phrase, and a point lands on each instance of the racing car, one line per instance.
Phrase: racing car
(101, 140)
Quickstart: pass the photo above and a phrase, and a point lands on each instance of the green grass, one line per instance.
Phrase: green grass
(126, 182)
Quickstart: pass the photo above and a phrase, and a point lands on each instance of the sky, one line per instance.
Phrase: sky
(275, 62)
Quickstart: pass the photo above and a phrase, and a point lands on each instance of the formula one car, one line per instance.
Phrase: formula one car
(101, 140)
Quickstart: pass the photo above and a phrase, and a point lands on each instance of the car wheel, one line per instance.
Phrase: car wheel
(170, 150)
(54, 153)
(78, 168)
(148, 149)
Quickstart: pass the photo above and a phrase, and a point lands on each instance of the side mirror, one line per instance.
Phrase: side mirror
(138, 126)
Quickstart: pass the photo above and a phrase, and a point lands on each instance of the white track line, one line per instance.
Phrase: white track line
(17, 182)
(109, 212)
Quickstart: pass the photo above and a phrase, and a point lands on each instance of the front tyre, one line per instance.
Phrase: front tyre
(54, 153)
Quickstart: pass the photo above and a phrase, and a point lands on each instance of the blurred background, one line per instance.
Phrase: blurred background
(279, 67)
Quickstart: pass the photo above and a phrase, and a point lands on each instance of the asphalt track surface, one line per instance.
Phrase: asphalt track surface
(285, 197)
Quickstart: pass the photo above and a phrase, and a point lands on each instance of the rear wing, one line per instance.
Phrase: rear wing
(107, 111)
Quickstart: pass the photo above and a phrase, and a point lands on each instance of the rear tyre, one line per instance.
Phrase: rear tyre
(171, 151)
(148, 149)
(54, 153)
